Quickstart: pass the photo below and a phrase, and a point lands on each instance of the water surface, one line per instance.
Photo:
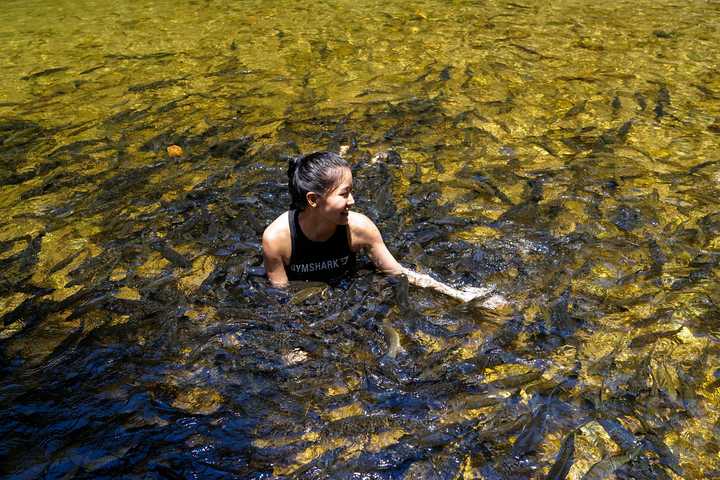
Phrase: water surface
(565, 154)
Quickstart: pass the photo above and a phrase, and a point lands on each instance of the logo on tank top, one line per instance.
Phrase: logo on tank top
(320, 266)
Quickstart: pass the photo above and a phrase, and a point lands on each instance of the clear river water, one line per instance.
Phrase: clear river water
(564, 153)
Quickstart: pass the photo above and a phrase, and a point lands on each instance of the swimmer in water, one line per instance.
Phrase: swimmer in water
(318, 238)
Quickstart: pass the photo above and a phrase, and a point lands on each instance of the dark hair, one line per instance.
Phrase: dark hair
(315, 172)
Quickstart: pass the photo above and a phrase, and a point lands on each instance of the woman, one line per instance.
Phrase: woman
(320, 235)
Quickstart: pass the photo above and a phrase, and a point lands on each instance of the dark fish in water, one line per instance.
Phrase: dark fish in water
(424, 75)
(625, 129)
(613, 136)
(92, 69)
(148, 56)
(627, 218)
(488, 472)
(619, 434)
(700, 166)
(44, 73)
(392, 338)
(564, 459)
(517, 5)
(475, 401)
(469, 75)
(308, 293)
(528, 50)
(384, 193)
(451, 221)
(641, 101)
(171, 255)
(605, 467)
(155, 85)
(667, 457)
(402, 292)
(516, 380)
(616, 104)
(627, 441)
(563, 324)
(658, 258)
(486, 185)
(575, 110)
(234, 149)
(706, 91)
(650, 338)
(544, 143)
(62, 264)
(446, 74)
(533, 433)
(662, 102)
(128, 116)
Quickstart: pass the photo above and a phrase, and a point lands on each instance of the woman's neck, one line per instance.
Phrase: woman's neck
(314, 227)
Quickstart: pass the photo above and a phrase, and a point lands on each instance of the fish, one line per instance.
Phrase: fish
(650, 338)
(92, 69)
(619, 434)
(662, 102)
(667, 457)
(700, 166)
(613, 136)
(234, 149)
(469, 75)
(489, 472)
(641, 101)
(575, 110)
(563, 460)
(171, 255)
(402, 292)
(625, 129)
(128, 116)
(474, 401)
(141, 87)
(484, 184)
(705, 91)
(527, 50)
(532, 434)
(446, 73)
(392, 338)
(605, 467)
(307, 293)
(627, 441)
(562, 322)
(514, 381)
(147, 56)
(44, 73)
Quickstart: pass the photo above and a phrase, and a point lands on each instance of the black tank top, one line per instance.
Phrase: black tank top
(318, 261)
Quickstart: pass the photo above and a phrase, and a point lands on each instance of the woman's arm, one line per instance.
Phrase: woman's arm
(274, 245)
(367, 235)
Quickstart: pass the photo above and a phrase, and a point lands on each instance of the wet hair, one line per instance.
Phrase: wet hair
(316, 172)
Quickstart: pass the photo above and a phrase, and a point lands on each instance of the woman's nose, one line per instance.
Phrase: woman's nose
(350, 200)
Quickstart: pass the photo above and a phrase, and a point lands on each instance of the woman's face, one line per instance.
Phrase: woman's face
(335, 204)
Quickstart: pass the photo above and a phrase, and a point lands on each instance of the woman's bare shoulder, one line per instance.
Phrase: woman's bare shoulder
(362, 228)
(276, 236)
(359, 221)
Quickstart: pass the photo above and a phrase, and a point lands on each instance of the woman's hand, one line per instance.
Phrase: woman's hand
(470, 293)
(490, 300)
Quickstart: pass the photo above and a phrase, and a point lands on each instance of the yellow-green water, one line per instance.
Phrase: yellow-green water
(565, 153)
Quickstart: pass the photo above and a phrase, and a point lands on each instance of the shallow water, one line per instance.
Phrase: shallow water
(565, 154)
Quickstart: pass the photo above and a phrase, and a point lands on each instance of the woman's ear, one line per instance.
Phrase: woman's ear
(312, 199)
